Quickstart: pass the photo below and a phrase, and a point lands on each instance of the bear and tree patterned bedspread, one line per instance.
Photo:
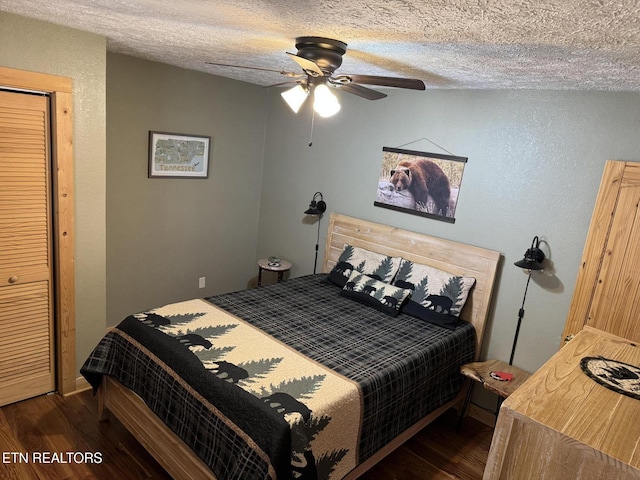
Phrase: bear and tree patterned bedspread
(287, 381)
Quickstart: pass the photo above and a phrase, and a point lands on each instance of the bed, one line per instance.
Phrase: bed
(301, 379)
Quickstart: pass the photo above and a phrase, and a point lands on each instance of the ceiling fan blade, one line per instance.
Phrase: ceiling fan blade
(363, 92)
(396, 82)
(307, 65)
(281, 72)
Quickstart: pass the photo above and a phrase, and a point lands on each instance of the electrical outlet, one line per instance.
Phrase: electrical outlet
(201, 281)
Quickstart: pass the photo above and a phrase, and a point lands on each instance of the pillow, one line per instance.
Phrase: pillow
(381, 267)
(437, 296)
(377, 294)
(424, 313)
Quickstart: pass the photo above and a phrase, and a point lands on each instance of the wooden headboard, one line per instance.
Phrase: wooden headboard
(454, 257)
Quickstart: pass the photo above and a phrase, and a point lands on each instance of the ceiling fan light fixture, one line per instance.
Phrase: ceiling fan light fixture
(325, 103)
(295, 97)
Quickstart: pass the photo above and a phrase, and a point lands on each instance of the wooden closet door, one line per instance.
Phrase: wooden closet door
(607, 293)
(615, 306)
(26, 320)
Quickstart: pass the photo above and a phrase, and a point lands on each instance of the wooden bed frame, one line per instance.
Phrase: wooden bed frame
(458, 258)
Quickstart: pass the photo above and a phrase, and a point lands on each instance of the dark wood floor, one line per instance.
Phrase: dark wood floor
(60, 437)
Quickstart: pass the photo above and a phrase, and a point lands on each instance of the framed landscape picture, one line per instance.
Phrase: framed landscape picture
(173, 155)
(420, 183)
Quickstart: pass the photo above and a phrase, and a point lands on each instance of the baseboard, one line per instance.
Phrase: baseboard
(81, 386)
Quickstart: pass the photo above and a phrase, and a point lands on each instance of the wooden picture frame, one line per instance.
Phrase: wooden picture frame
(420, 183)
(175, 155)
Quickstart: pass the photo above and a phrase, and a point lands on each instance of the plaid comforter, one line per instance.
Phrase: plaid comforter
(404, 368)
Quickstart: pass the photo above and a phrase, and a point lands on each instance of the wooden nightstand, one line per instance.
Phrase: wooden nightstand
(281, 267)
(481, 372)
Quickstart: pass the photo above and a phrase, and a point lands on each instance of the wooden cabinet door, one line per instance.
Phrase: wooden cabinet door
(607, 292)
(26, 320)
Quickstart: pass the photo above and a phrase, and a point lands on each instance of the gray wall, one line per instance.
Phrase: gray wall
(163, 234)
(535, 162)
(42, 47)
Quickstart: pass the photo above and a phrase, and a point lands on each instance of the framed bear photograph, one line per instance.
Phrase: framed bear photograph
(420, 183)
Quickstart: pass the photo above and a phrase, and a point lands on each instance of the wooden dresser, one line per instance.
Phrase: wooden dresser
(561, 424)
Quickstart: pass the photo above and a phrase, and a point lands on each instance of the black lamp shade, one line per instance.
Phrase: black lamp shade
(533, 257)
(316, 207)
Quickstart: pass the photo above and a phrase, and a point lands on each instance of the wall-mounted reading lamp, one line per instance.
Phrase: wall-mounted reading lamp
(316, 207)
(532, 260)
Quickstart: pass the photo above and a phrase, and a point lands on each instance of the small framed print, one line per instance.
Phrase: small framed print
(174, 155)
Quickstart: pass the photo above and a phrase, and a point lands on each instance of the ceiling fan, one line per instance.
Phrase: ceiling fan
(319, 59)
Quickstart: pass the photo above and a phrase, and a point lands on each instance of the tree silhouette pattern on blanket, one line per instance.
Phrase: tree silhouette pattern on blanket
(286, 398)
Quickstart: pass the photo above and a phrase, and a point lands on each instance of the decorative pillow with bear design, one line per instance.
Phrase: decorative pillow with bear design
(437, 296)
(376, 265)
(379, 295)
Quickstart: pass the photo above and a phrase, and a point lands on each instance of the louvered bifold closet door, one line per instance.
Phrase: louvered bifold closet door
(26, 323)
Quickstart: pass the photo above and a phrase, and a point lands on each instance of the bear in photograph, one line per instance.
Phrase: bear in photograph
(423, 178)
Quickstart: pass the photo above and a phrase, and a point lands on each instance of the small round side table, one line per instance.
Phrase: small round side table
(280, 267)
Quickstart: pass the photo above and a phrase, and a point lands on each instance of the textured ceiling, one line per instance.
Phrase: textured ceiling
(480, 44)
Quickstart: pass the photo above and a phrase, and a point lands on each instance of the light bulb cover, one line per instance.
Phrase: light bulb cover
(325, 102)
(295, 97)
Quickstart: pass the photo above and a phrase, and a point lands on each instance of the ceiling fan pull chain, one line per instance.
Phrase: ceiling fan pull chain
(313, 116)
